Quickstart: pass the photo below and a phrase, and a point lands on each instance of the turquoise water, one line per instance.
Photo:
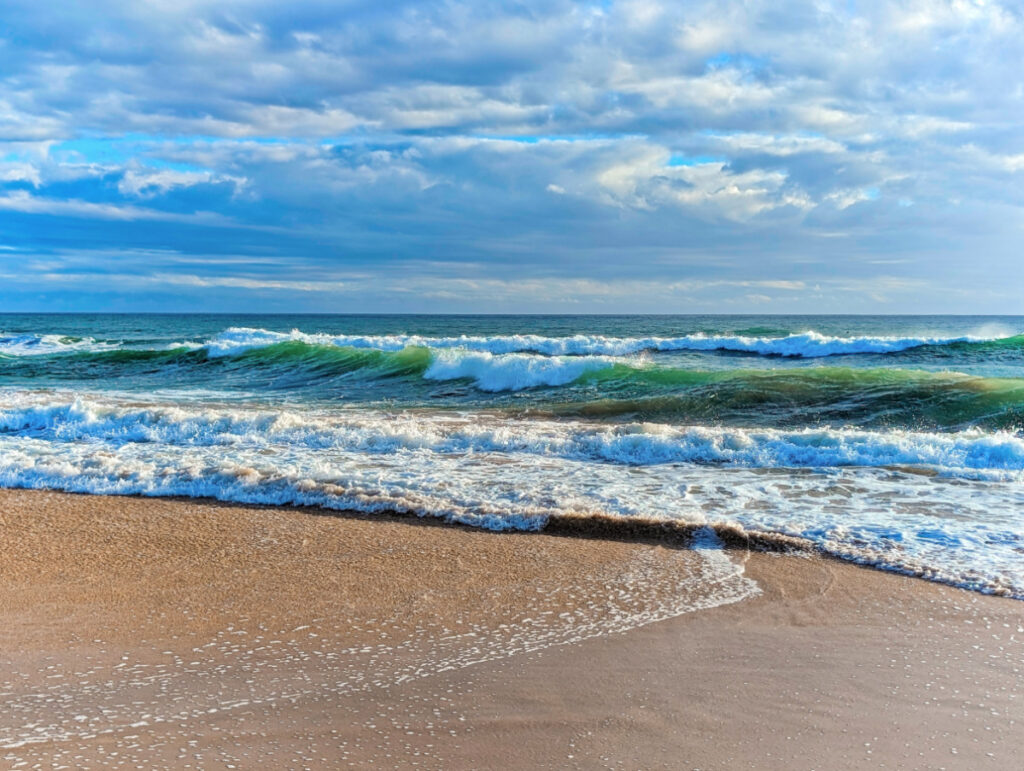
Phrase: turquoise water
(927, 385)
(896, 441)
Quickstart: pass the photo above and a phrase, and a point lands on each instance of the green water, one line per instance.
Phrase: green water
(948, 385)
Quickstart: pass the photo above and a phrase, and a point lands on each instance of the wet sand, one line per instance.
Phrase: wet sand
(146, 633)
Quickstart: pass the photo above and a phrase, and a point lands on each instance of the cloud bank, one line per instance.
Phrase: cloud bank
(529, 156)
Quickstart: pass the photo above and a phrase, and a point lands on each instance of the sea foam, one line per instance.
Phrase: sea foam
(944, 506)
(43, 345)
(971, 454)
(514, 371)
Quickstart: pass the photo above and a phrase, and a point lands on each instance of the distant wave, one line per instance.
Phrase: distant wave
(43, 345)
(239, 340)
(805, 345)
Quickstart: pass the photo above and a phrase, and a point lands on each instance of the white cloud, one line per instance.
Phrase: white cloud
(843, 199)
(21, 201)
(20, 172)
(145, 183)
(778, 144)
(646, 181)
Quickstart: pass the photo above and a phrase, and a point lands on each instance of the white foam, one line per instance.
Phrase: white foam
(943, 505)
(514, 371)
(42, 345)
(970, 454)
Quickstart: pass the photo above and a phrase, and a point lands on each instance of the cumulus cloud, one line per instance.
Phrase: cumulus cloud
(568, 143)
(146, 183)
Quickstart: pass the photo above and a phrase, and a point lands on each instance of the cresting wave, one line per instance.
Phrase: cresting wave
(944, 506)
(591, 387)
(238, 340)
(517, 371)
(44, 345)
(805, 345)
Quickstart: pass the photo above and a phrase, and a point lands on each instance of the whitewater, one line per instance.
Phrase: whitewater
(892, 442)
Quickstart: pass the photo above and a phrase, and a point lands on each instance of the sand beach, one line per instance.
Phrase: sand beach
(155, 633)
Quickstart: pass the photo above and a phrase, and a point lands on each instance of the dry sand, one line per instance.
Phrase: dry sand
(139, 633)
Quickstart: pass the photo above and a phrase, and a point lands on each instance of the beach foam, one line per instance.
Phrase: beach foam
(965, 454)
(942, 505)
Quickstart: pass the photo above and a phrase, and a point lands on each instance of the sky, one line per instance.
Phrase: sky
(569, 157)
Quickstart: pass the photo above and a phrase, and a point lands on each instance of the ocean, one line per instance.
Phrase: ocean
(892, 441)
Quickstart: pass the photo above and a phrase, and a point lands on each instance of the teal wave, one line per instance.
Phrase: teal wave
(596, 387)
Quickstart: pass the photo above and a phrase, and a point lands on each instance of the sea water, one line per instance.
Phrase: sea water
(891, 441)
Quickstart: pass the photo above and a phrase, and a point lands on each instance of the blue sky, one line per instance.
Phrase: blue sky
(512, 157)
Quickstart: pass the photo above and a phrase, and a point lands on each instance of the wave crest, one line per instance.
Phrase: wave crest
(808, 344)
(43, 345)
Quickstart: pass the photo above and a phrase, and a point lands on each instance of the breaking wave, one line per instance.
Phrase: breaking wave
(239, 340)
(967, 454)
(804, 345)
(43, 345)
(596, 387)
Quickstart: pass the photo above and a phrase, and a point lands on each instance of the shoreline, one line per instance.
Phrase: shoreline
(191, 633)
(651, 531)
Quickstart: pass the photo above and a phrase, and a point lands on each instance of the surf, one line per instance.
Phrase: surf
(964, 454)
(597, 387)
(940, 505)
